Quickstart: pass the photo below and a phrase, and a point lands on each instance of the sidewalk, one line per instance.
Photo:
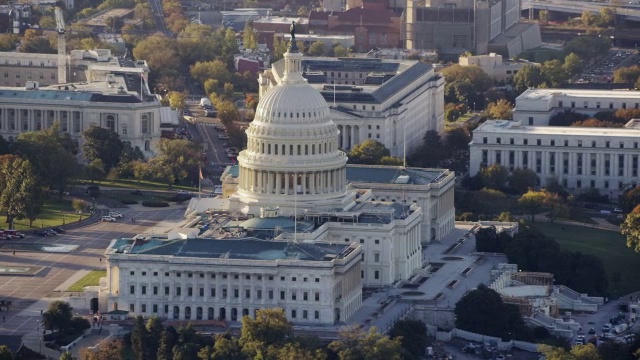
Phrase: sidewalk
(600, 223)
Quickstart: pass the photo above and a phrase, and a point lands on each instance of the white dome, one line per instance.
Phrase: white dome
(293, 104)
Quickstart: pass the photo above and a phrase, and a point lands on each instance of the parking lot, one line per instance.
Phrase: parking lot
(90, 242)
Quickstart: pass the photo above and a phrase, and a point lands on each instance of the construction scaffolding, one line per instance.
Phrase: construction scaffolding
(533, 278)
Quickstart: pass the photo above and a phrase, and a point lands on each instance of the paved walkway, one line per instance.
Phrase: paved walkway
(600, 222)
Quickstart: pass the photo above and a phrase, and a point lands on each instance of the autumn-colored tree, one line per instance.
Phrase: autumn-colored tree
(631, 229)
(502, 109)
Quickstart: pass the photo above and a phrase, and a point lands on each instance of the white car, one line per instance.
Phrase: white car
(115, 214)
(108, 218)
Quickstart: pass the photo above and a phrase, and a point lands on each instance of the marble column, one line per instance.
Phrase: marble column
(344, 138)
(278, 183)
(286, 183)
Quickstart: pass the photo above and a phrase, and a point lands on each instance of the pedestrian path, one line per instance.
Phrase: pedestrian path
(72, 280)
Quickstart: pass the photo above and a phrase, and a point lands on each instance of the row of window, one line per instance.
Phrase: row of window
(266, 148)
(293, 294)
(31, 63)
(199, 312)
(224, 276)
(566, 142)
(586, 105)
(29, 76)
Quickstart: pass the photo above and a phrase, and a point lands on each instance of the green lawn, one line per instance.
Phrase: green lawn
(609, 246)
(91, 279)
(135, 184)
(54, 213)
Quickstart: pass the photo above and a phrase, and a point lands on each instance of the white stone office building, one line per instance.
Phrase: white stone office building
(579, 158)
(206, 279)
(113, 95)
(493, 65)
(392, 101)
(537, 106)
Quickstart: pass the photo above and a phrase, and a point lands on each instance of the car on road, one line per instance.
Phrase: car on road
(51, 232)
(59, 230)
(591, 331)
(41, 233)
(115, 214)
(108, 218)
(606, 328)
(223, 137)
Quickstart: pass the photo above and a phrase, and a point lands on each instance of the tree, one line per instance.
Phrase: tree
(465, 83)
(228, 90)
(52, 154)
(586, 18)
(269, 328)
(175, 160)
(66, 356)
(294, 351)
(522, 180)
(391, 161)
(5, 353)
(489, 240)
(368, 152)
(139, 339)
(482, 311)
(215, 69)
(487, 201)
(161, 54)
(627, 74)
(317, 48)
(530, 76)
(588, 48)
(607, 16)
(340, 51)
(279, 47)
(630, 199)
(506, 216)
(177, 100)
(554, 73)
(154, 331)
(108, 350)
(494, 176)
(58, 316)
(95, 170)
(354, 344)
(573, 64)
(227, 347)
(413, 334)
(501, 109)
(578, 352)
(534, 201)
(249, 36)
(631, 229)
(597, 123)
(457, 139)
(18, 187)
(543, 16)
(4, 146)
(103, 144)
(165, 345)
(8, 42)
(431, 153)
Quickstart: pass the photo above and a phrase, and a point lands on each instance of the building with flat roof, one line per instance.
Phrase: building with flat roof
(455, 27)
(208, 279)
(580, 158)
(112, 93)
(494, 66)
(537, 106)
(392, 101)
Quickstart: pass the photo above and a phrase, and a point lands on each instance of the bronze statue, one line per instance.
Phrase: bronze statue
(292, 31)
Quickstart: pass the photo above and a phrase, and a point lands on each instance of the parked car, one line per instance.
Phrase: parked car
(108, 218)
(115, 214)
(41, 233)
(51, 232)
(184, 192)
(606, 328)
(12, 234)
(591, 331)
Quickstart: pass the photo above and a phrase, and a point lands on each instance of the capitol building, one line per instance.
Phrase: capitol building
(296, 227)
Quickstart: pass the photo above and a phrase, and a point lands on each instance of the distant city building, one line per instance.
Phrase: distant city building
(579, 158)
(329, 41)
(391, 101)
(110, 92)
(101, 19)
(209, 279)
(469, 25)
(404, 54)
(372, 25)
(494, 66)
(537, 106)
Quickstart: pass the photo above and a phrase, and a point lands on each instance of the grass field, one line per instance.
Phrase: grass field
(91, 279)
(135, 184)
(54, 213)
(609, 246)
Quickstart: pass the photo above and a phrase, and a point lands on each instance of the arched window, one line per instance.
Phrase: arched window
(283, 149)
(187, 313)
(269, 149)
(210, 313)
(275, 149)
(111, 122)
(262, 148)
(313, 149)
(290, 149)
(299, 148)
(176, 312)
(306, 149)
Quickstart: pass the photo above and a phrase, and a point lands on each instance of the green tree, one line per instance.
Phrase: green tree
(391, 160)
(588, 48)
(543, 16)
(5, 353)
(368, 152)
(340, 51)
(586, 18)
(482, 311)
(279, 47)
(269, 328)
(8, 42)
(578, 352)
(607, 16)
(58, 316)
(529, 76)
(431, 153)
(487, 201)
(160, 53)
(573, 64)
(457, 139)
(165, 345)
(534, 201)
(95, 170)
(4, 146)
(78, 205)
(317, 48)
(465, 83)
(65, 356)
(103, 144)
(18, 183)
(501, 109)
(494, 176)
(554, 73)
(521, 180)
(139, 339)
(175, 160)
(227, 347)
(52, 154)
(227, 112)
(215, 69)
(228, 90)
(294, 351)
(249, 36)
(154, 331)
(629, 74)
(631, 229)
(630, 200)
(355, 344)
(413, 335)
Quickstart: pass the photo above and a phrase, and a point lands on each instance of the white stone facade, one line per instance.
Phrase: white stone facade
(537, 106)
(199, 288)
(494, 66)
(396, 112)
(579, 158)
